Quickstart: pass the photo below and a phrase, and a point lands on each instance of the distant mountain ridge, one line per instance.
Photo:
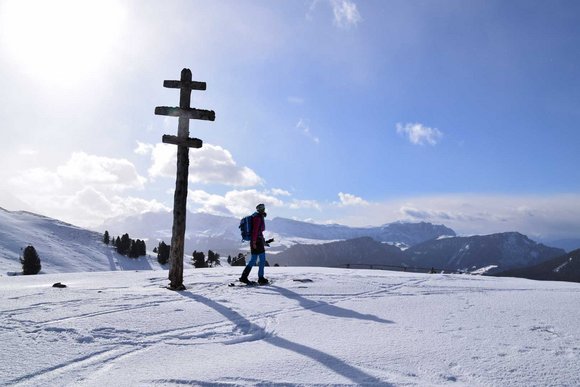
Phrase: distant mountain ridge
(398, 232)
(358, 251)
(504, 250)
(205, 231)
(494, 253)
(565, 267)
(66, 248)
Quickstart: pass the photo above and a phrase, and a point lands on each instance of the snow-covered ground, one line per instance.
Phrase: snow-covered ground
(345, 327)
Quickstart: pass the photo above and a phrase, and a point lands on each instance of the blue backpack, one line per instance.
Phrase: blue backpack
(246, 227)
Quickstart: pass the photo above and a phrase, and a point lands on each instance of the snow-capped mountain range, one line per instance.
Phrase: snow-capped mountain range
(482, 253)
(562, 268)
(496, 252)
(219, 233)
(409, 245)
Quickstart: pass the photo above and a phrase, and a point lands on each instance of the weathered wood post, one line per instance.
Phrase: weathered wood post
(183, 142)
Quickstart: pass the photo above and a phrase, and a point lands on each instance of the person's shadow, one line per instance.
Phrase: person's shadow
(246, 327)
(326, 308)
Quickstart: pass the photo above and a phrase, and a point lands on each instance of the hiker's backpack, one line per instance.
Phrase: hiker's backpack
(246, 227)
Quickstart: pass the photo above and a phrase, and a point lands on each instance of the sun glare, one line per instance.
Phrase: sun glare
(59, 40)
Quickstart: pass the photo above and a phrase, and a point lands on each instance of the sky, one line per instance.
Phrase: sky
(332, 111)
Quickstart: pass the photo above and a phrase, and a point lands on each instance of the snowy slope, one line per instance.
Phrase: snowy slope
(346, 327)
(62, 247)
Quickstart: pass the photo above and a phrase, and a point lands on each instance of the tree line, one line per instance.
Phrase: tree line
(124, 245)
(132, 248)
(136, 248)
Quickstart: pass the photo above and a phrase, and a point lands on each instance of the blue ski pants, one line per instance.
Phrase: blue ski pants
(253, 260)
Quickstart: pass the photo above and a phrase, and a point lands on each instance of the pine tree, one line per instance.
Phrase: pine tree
(133, 253)
(106, 238)
(213, 259)
(163, 253)
(240, 260)
(30, 261)
(199, 259)
(124, 245)
(142, 248)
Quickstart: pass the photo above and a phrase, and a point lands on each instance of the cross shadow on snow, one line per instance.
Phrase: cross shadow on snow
(256, 332)
(326, 308)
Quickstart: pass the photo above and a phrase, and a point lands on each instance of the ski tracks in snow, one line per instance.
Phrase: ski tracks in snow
(98, 347)
(104, 326)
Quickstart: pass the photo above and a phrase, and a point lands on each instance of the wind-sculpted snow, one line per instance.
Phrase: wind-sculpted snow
(344, 327)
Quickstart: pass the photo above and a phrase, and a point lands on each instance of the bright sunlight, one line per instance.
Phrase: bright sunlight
(59, 40)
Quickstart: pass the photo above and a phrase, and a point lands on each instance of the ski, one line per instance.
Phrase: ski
(243, 284)
(249, 284)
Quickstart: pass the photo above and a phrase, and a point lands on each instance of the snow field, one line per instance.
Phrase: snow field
(347, 327)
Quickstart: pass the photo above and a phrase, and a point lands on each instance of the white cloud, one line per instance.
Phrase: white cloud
(279, 192)
(346, 14)
(39, 180)
(210, 203)
(83, 191)
(304, 127)
(305, 204)
(208, 165)
(80, 170)
(540, 217)
(88, 206)
(351, 200)
(27, 152)
(143, 149)
(117, 174)
(163, 161)
(237, 203)
(419, 134)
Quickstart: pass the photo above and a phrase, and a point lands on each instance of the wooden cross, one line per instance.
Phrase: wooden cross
(183, 142)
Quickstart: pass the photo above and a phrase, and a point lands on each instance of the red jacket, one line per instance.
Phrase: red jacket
(258, 227)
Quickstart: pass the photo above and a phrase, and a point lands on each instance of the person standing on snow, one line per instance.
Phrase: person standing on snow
(257, 246)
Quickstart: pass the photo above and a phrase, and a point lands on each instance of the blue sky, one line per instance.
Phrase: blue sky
(356, 112)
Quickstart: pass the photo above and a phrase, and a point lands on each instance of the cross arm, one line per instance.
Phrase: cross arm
(191, 113)
(187, 141)
(191, 85)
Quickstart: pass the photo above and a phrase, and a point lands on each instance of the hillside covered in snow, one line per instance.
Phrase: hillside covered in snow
(62, 247)
(312, 326)
(404, 246)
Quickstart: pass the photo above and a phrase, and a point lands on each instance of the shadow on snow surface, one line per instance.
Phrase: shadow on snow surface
(326, 308)
(246, 326)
